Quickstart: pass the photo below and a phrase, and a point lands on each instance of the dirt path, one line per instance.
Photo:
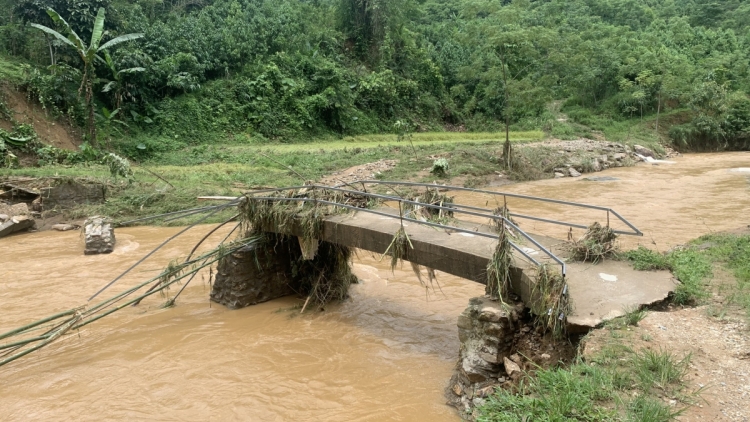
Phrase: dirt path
(719, 352)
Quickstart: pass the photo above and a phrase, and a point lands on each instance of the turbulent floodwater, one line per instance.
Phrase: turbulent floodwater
(386, 354)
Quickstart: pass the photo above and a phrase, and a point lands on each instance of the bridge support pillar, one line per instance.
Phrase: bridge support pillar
(487, 330)
(254, 274)
(281, 266)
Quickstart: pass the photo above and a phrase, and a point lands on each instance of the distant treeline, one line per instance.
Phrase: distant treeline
(300, 68)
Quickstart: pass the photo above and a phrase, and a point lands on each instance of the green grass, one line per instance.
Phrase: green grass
(226, 170)
(431, 137)
(617, 384)
(10, 70)
(693, 266)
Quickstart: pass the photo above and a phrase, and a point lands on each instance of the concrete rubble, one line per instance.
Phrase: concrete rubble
(16, 224)
(99, 235)
(15, 218)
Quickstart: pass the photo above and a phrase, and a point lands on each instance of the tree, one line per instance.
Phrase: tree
(117, 86)
(88, 55)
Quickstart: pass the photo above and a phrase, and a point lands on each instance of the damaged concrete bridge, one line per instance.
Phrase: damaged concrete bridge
(460, 240)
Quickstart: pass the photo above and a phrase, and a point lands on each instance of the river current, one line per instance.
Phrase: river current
(385, 354)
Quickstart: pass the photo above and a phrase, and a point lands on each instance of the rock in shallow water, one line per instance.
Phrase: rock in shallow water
(99, 235)
(15, 224)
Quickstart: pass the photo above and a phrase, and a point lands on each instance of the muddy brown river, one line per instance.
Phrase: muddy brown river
(386, 354)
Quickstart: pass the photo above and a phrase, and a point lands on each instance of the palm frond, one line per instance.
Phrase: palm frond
(72, 36)
(96, 35)
(122, 38)
(54, 33)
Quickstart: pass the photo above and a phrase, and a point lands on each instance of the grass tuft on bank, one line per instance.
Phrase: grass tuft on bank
(617, 384)
(693, 265)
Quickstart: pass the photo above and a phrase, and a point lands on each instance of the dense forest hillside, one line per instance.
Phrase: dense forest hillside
(290, 69)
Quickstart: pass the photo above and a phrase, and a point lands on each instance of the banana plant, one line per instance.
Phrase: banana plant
(117, 86)
(89, 54)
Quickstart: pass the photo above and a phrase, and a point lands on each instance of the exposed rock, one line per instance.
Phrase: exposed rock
(486, 330)
(486, 391)
(99, 235)
(596, 165)
(619, 156)
(573, 172)
(643, 151)
(65, 227)
(4, 217)
(16, 224)
(458, 389)
(15, 193)
(511, 367)
(545, 356)
(559, 175)
(13, 210)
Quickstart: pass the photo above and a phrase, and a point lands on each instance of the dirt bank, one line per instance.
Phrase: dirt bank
(49, 130)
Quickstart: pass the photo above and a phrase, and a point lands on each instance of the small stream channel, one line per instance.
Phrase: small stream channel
(386, 354)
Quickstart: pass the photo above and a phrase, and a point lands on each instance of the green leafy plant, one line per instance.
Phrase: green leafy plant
(440, 167)
(87, 53)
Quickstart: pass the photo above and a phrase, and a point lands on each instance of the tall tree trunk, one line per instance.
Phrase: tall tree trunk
(507, 149)
(658, 110)
(90, 104)
(51, 51)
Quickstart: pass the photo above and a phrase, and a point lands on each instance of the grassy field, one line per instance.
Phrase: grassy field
(231, 169)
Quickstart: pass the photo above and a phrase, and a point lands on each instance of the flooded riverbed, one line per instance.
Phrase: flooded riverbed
(386, 354)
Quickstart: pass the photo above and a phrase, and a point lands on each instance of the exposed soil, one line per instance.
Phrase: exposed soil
(719, 350)
(366, 171)
(51, 132)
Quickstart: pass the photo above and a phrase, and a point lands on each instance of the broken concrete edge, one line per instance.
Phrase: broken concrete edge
(583, 324)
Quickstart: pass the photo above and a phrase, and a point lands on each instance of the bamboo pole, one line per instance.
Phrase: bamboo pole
(35, 324)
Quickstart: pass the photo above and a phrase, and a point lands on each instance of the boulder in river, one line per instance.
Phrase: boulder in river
(643, 151)
(99, 235)
(63, 227)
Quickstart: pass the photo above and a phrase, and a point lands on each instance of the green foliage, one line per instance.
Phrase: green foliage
(692, 265)
(88, 53)
(644, 259)
(288, 70)
(691, 268)
(440, 167)
(617, 384)
(118, 166)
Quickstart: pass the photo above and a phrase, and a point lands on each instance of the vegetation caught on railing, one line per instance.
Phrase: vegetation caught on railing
(431, 198)
(499, 267)
(596, 244)
(550, 300)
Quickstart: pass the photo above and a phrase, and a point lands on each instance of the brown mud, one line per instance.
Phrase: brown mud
(50, 131)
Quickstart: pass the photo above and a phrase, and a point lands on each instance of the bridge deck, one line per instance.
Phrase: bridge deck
(597, 292)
